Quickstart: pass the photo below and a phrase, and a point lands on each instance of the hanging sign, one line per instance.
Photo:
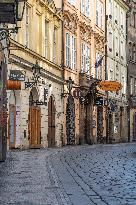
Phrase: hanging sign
(110, 85)
(13, 85)
(16, 75)
(77, 93)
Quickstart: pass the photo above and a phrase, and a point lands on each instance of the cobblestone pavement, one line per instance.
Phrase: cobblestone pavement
(79, 175)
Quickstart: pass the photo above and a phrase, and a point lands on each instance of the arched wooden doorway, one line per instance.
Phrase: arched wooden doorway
(14, 119)
(51, 122)
(70, 120)
(34, 121)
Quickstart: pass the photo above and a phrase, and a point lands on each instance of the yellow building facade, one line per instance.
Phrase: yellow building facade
(38, 44)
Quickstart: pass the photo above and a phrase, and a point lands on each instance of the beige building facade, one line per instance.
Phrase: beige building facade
(84, 42)
(38, 44)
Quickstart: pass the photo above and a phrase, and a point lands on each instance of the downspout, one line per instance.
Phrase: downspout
(63, 72)
(106, 74)
(128, 92)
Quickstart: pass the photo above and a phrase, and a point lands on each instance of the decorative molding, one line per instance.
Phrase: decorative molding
(70, 21)
(86, 32)
(99, 41)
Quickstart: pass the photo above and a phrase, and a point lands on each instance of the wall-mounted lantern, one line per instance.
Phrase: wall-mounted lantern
(11, 11)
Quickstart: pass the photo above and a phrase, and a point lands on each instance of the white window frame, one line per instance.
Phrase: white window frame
(85, 58)
(99, 14)
(46, 46)
(54, 44)
(131, 85)
(99, 68)
(72, 2)
(70, 51)
(85, 7)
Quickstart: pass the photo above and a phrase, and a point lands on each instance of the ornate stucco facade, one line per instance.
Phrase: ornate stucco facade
(84, 39)
(39, 39)
(117, 69)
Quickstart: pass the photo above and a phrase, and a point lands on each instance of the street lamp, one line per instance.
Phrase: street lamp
(20, 7)
(36, 71)
(11, 11)
(70, 83)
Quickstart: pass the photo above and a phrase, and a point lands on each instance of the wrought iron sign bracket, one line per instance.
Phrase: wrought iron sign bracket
(5, 33)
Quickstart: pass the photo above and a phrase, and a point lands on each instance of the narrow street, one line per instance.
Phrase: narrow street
(78, 175)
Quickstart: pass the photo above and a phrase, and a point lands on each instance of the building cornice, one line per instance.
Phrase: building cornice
(28, 66)
(17, 46)
(123, 4)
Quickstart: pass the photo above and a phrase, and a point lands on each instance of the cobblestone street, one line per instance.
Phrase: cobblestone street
(79, 175)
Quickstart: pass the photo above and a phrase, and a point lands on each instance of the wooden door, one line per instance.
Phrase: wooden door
(34, 127)
(51, 122)
(12, 126)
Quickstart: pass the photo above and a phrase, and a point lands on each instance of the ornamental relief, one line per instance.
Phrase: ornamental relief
(99, 41)
(85, 32)
(70, 21)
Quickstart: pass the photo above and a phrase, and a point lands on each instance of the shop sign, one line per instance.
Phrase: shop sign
(110, 85)
(99, 101)
(13, 85)
(16, 75)
(77, 93)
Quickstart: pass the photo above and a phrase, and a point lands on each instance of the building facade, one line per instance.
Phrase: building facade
(116, 70)
(35, 103)
(131, 60)
(83, 40)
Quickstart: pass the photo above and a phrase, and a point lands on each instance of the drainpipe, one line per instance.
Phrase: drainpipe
(106, 75)
(62, 64)
(128, 92)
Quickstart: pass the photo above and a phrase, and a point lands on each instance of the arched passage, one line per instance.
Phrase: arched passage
(51, 122)
(34, 121)
(14, 119)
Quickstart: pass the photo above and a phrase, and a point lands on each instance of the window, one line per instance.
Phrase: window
(124, 85)
(99, 68)
(67, 50)
(72, 2)
(85, 53)
(134, 53)
(27, 25)
(131, 85)
(54, 44)
(111, 75)
(85, 7)
(70, 51)
(122, 50)
(110, 7)
(99, 14)
(110, 41)
(135, 86)
(46, 39)
(117, 46)
(121, 19)
(116, 14)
